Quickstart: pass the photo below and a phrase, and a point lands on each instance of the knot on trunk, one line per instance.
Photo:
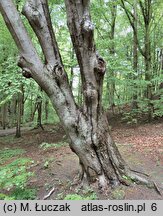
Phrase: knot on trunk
(36, 18)
(58, 73)
(100, 67)
(26, 74)
(87, 25)
(91, 94)
(24, 65)
(87, 29)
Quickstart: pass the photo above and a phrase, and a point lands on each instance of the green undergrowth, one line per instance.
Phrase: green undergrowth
(24, 194)
(7, 154)
(79, 194)
(118, 193)
(128, 179)
(15, 173)
(46, 146)
(14, 177)
(20, 194)
(47, 162)
(79, 197)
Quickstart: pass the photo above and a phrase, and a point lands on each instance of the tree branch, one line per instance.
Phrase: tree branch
(92, 66)
(81, 31)
(133, 27)
(18, 32)
(29, 59)
(53, 80)
(128, 14)
(143, 10)
(37, 13)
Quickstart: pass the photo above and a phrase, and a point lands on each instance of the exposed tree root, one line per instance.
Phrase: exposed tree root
(141, 180)
(125, 177)
(136, 171)
(138, 179)
(103, 182)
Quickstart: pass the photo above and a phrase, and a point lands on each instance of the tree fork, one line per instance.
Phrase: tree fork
(87, 127)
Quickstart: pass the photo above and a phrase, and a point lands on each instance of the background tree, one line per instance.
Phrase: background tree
(141, 20)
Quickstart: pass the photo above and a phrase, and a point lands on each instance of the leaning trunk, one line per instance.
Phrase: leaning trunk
(98, 155)
(87, 126)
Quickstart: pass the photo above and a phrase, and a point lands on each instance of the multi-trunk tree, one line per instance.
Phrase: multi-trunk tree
(87, 125)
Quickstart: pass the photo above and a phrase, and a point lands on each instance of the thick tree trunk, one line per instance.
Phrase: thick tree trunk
(87, 126)
(98, 154)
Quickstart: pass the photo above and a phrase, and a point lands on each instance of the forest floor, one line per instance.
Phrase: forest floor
(55, 166)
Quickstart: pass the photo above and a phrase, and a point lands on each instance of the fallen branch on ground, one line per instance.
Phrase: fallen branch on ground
(49, 194)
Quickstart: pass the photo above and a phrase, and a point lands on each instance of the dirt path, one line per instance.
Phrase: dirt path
(146, 139)
(12, 131)
(135, 144)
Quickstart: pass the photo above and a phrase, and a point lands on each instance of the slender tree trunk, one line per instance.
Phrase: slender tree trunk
(39, 111)
(46, 110)
(31, 109)
(111, 85)
(23, 101)
(19, 115)
(135, 57)
(4, 116)
(147, 59)
(13, 105)
(148, 92)
(146, 10)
